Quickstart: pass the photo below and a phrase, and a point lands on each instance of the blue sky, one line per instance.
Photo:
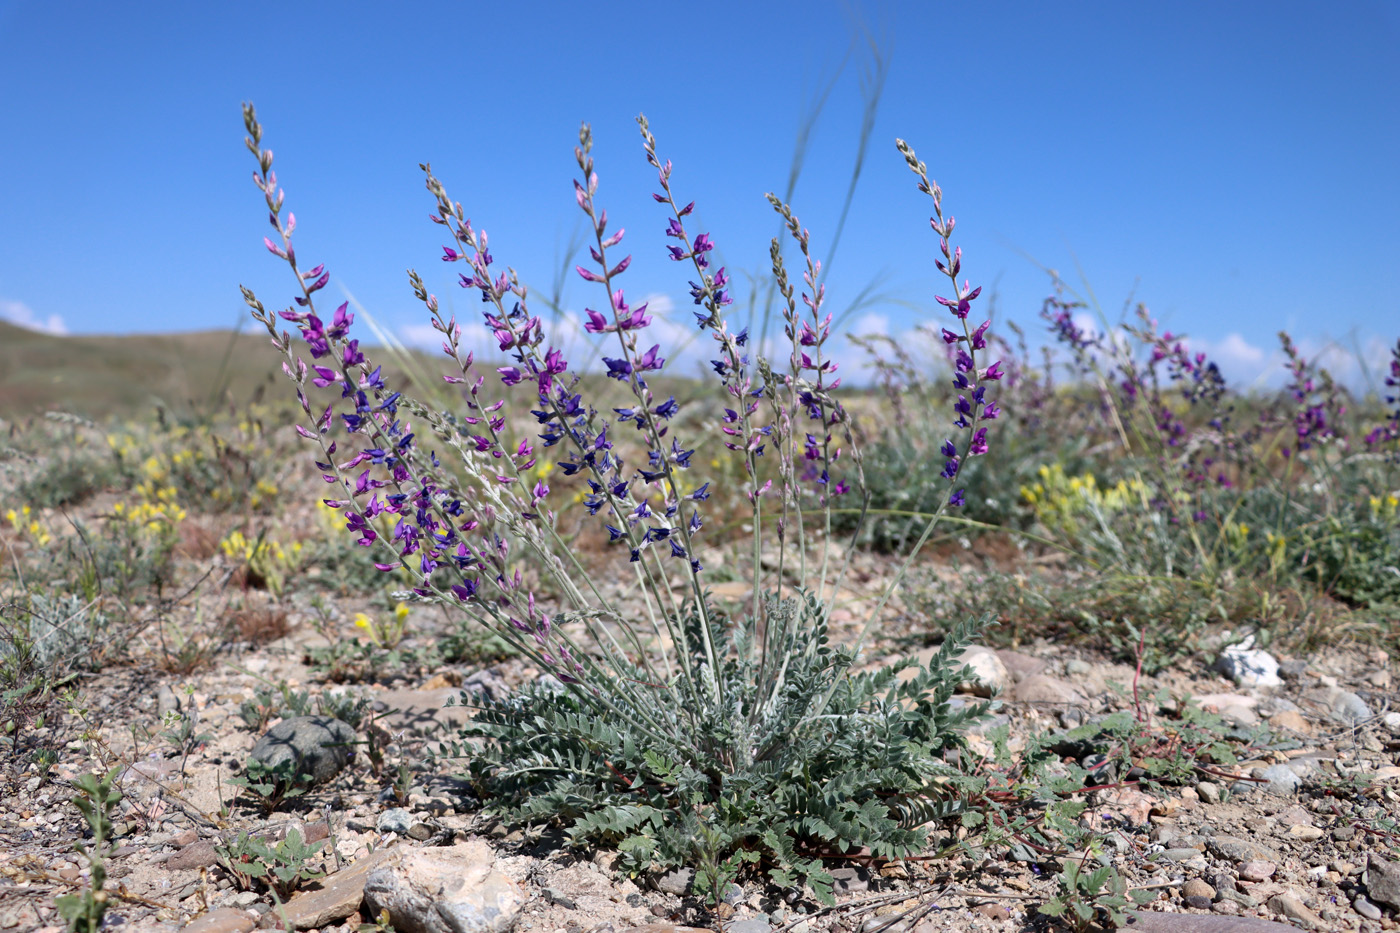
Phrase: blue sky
(1231, 165)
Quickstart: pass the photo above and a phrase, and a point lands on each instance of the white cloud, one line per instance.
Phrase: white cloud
(17, 312)
(1241, 362)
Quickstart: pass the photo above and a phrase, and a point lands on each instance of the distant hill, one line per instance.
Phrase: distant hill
(98, 376)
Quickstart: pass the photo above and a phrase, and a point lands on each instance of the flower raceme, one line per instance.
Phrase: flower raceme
(460, 535)
(971, 382)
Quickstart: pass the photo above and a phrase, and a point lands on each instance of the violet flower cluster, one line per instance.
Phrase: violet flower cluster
(1390, 430)
(1317, 412)
(971, 382)
(390, 490)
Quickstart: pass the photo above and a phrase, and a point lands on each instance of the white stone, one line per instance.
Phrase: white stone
(989, 675)
(455, 889)
(1249, 666)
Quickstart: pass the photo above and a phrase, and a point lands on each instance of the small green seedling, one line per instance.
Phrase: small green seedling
(98, 801)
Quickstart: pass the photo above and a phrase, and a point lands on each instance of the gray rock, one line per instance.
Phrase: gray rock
(677, 881)
(1208, 791)
(1178, 854)
(1078, 668)
(195, 855)
(1347, 707)
(398, 820)
(223, 920)
(1283, 780)
(166, 701)
(1143, 922)
(1294, 909)
(332, 898)
(988, 676)
(1258, 869)
(1365, 908)
(453, 889)
(850, 879)
(1021, 665)
(751, 925)
(1042, 688)
(1239, 850)
(1252, 667)
(318, 745)
(1392, 722)
(1383, 881)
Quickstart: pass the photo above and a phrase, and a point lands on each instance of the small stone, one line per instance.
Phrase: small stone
(1078, 668)
(1154, 922)
(1225, 906)
(1294, 816)
(1238, 850)
(988, 675)
(245, 899)
(1198, 888)
(1251, 667)
(677, 881)
(1042, 688)
(1305, 833)
(454, 889)
(1196, 901)
(1021, 665)
(1208, 792)
(1179, 854)
(166, 701)
(319, 746)
(850, 879)
(195, 855)
(1392, 722)
(334, 898)
(1257, 870)
(1383, 881)
(398, 820)
(1344, 833)
(751, 925)
(223, 920)
(1347, 707)
(1294, 909)
(1282, 780)
(1365, 908)
(1291, 721)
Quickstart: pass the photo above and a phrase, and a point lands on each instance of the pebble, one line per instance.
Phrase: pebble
(1198, 888)
(1225, 906)
(1178, 855)
(1306, 833)
(1283, 781)
(751, 925)
(1238, 850)
(1252, 667)
(1294, 909)
(1208, 792)
(1347, 707)
(1290, 720)
(1257, 870)
(1392, 722)
(676, 881)
(397, 820)
(1365, 908)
